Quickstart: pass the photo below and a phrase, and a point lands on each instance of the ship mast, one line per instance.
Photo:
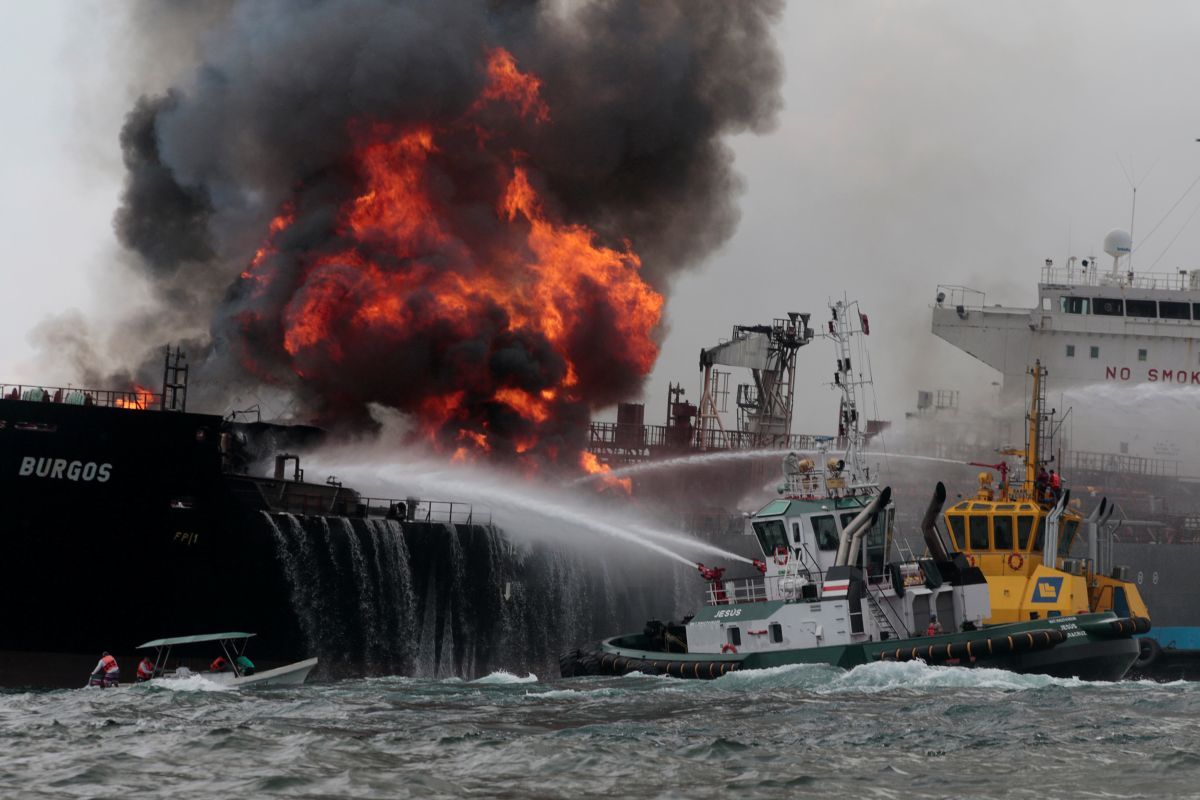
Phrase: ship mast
(1033, 435)
(841, 330)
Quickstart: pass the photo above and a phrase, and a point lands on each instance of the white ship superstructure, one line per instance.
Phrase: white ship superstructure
(1104, 328)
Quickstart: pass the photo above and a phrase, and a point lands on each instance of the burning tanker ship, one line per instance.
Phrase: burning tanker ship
(465, 212)
(132, 517)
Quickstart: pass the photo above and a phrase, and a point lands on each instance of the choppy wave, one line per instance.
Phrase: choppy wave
(885, 730)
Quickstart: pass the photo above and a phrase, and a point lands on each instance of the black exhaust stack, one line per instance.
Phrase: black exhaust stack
(933, 539)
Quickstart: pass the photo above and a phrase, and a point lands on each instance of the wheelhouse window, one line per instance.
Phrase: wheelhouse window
(771, 535)
(957, 540)
(826, 532)
(1040, 541)
(1002, 532)
(1108, 307)
(1073, 305)
(1141, 308)
(776, 632)
(978, 526)
(796, 533)
(1024, 528)
(773, 508)
(1172, 310)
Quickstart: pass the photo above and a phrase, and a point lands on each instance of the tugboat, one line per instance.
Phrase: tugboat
(829, 592)
(1021, 538)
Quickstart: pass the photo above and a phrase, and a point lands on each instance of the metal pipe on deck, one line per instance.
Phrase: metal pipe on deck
(864, 518)
(1093, 531)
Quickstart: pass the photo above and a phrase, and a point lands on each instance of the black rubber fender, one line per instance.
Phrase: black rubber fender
(597, 663)
(570, 664)
(1149, 651)
(1024, 642)
(1126, 626)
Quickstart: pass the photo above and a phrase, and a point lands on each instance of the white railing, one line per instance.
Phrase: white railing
(951, 296)
(758, 589)
(1097, 275)
(738, 590)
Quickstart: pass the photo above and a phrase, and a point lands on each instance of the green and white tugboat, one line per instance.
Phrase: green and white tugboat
(828, 590)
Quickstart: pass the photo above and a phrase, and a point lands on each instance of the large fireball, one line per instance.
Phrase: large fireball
(448, 287)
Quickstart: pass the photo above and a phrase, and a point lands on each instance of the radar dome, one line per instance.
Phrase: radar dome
(1118, 243)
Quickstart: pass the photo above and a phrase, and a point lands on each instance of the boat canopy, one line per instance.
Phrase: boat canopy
(204, 637)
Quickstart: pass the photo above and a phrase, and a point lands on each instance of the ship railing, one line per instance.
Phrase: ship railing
(72, 396)
(756, 589)
(1098, 275)
(1084, 461)
(418, 510)
(629, 441)
(955, 296)
(738, 590)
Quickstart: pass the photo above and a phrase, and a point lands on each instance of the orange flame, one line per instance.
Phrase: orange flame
(400, 270)
(592, 466)
(139, 397)
(508, 84)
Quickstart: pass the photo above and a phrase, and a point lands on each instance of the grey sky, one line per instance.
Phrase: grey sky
(921, 143)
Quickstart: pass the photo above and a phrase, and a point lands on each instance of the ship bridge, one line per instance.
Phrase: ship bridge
(1090, 327)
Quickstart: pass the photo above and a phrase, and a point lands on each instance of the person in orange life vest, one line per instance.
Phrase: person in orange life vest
(106, 673)
(1055, 486)
(935, 627)
(145, 670)
(219, 664)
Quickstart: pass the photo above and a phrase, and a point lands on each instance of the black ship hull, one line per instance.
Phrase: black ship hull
(124, 526)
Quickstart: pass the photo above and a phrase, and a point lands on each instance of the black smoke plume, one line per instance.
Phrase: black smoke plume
(641, 97)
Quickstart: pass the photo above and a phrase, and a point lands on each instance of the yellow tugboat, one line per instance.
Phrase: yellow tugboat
(1021, 538)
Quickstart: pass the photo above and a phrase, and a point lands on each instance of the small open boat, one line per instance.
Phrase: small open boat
(233, 648)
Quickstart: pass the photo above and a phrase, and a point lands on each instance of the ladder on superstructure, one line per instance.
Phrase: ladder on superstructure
(882, 621)
(841, 330)
(175, 373)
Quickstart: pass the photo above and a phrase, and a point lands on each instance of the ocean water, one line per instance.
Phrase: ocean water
(882, 730)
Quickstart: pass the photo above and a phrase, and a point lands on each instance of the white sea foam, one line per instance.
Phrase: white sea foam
(890, 676)
(504, 678)
(886, 677)
(192, 683)
(559, 693)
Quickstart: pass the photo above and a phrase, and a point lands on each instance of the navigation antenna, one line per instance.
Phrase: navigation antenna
(842, 328)
(175, 373)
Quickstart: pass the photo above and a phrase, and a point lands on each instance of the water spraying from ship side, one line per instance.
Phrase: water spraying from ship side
(521, 508)
(684, 462)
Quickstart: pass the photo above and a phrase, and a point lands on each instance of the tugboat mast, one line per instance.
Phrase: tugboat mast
(1033, 434)
(841, 330)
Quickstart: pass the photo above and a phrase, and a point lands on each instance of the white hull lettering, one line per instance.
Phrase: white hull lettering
(61, 469)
